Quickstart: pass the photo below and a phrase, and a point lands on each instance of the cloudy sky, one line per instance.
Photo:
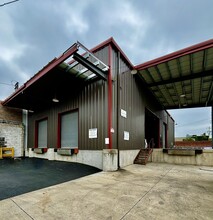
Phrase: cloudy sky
(34, 32)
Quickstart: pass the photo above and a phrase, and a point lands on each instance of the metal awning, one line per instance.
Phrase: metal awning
(183, 78)
(61, 77)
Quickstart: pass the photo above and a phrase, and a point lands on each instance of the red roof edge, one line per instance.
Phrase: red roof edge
(188, 50)
(113, 42)
(43, 71)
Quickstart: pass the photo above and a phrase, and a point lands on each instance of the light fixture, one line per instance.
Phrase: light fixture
(182, 96)
(55, 100)
(134, 71)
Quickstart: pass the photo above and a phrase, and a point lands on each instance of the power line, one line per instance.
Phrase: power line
(7, 84)
(7, 3)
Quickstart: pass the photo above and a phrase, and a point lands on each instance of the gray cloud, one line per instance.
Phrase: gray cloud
(34, 32)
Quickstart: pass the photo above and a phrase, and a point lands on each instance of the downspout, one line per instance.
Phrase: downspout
(110, 96)
(25, 123)
(118, 108)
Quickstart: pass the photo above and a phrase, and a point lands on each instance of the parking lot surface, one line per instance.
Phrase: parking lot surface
(155, 191)
(29, 174)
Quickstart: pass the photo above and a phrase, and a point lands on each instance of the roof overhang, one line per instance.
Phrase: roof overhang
(181, 79)
(62, 77)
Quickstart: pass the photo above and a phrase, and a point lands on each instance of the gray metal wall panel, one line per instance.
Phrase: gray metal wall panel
(170, 132)
(92, 105)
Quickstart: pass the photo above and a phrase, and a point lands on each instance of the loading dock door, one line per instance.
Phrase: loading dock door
(69, 130)
(151, 129)
(164, 138)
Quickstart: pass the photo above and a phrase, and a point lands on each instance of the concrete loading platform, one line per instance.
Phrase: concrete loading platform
(155, 191)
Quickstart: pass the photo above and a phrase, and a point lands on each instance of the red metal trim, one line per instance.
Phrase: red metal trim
(36, 135)
(110, 96)
(113, 42)
(59, 131)
(188, 50)
(166, 135)
(52, 64)
(159, 131)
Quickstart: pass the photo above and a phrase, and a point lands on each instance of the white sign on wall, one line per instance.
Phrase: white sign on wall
(93, 133)
(106, 140)
(123, 113)
(126, 135)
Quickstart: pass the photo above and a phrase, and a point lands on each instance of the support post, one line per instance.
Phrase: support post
(110, 96)
(212, 126)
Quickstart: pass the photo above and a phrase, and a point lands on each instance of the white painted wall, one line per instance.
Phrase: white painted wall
(14, 136)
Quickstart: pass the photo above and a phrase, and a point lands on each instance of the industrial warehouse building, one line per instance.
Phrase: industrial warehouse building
(95, 107)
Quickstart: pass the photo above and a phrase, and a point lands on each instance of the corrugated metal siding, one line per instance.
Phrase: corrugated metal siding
(91, 104)
(118, 66)
(134, 98)
(93, 114)
(132, 102)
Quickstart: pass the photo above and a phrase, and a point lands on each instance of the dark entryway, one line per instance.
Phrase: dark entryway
(29, 174)
(151, 129)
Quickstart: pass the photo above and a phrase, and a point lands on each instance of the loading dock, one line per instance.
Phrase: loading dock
(152, 126)
(124, 104)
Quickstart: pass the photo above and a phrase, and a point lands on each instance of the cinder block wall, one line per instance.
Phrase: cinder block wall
(12, 129)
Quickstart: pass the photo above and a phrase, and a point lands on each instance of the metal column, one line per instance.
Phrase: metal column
(212, 126)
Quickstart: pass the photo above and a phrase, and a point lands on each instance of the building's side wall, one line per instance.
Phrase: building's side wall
(14, 137)
(134, 98)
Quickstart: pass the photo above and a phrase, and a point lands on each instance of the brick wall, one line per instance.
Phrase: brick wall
(10, 114)
(193, 143)
(12, 129)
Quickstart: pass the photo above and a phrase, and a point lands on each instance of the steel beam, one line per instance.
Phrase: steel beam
(90, 66)
(182, 78)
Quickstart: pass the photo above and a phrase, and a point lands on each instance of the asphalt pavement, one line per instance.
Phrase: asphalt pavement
(29, 174)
